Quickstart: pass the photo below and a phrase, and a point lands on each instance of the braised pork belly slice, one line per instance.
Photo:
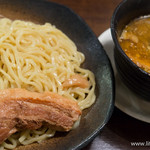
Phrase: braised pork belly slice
(21, 109)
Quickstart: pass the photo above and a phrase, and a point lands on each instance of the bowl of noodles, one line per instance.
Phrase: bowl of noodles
(47, 48)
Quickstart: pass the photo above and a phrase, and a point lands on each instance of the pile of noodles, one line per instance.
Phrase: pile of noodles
(40, 58)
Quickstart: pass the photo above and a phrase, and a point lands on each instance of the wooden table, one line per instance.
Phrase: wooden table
(122, 129)
(96, 13)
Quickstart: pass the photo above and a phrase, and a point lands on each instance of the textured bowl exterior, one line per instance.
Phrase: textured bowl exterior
(134, 77)
(94, 118)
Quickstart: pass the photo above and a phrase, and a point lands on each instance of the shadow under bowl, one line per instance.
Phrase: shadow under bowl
(133, 77)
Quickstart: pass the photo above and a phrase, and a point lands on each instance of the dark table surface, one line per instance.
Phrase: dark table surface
(121, 129)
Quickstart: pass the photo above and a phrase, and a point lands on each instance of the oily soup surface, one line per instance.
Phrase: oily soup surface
(135, 41)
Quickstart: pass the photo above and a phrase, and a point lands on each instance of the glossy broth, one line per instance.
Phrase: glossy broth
(135, 41)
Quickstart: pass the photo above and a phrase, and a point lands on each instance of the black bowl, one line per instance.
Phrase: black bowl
(134, 77)
(96, 60)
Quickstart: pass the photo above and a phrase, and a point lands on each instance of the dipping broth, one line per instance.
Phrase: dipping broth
(135, 41)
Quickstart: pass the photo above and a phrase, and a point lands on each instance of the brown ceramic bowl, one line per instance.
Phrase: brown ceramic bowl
(94, 118)
(134, 77)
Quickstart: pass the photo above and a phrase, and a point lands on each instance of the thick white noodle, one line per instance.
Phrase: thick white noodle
(40, 58)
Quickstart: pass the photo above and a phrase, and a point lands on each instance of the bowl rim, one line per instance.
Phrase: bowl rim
(111, 105)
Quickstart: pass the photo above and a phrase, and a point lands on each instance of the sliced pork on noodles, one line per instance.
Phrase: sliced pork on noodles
(41, 59)
(21, 109)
